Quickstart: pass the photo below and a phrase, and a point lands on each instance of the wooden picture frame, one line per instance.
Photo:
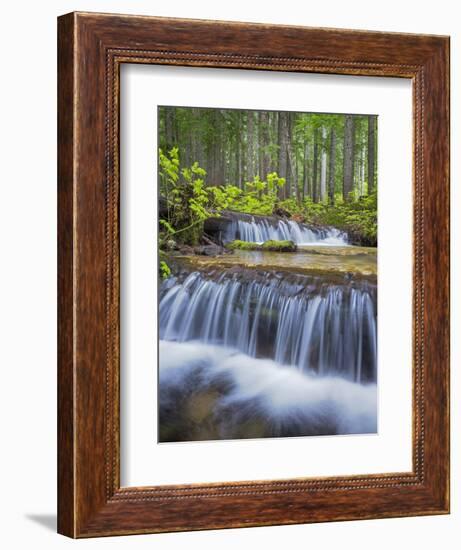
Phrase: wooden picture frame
(92, 47)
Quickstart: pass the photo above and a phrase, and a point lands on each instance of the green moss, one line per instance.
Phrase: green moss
(279, 246)
(268, 246)
(243, 245)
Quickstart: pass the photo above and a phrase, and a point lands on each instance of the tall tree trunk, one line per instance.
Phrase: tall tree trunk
(169, 126)
(306, 170)
(323, 167)
(250, 147)
(293, 164)
(371, 152)
(315, 193)
(362, 170)
(348, 170)
(196, 145)
(264, 142)
(215, 160)
(185, 147)
(260, 145)
(274, 125)
(223, 147)
(238, 151)
(243, 150)
(283, 152)
(331, 175)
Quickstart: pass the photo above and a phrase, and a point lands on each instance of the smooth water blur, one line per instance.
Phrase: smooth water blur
(298, 321)
(226, 394)
(259, 230)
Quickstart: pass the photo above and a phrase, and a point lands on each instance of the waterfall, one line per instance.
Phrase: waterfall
(319, 328)
(259, 229)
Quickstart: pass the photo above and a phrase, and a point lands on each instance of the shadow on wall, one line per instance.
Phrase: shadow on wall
(48, 521)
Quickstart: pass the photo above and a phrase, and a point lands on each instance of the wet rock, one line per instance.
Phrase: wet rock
(209, 250)
(185, 249)
(359, 239)
(298, 218)
(201, 405)
(358, 263)
(281, 212)
(338, 250)
(215, 225)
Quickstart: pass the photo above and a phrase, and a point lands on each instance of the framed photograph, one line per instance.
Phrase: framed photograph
(253, 275)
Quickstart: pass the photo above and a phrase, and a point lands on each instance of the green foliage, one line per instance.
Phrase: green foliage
(291, 206)
(257, 197)
(164, 270)
(167, 227)
(190, 202)
(187, 198)
(358, 218)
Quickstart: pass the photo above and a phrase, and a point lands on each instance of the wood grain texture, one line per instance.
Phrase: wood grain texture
(66, 471)
(91, 49)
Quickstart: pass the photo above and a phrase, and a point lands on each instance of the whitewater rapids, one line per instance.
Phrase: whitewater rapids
(238, 396)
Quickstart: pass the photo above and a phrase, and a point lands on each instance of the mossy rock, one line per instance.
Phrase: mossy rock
(279, 246)
(243, 245)
(269, 246)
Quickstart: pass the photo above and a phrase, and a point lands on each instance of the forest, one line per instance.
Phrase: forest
(315, 168)
(267, 307)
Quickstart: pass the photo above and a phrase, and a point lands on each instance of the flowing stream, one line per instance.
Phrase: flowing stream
(252, 347)
(259, 229)
(298, 321)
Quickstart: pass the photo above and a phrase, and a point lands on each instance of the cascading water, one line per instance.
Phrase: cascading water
(249, 354)
(259, 229)
(299, 321)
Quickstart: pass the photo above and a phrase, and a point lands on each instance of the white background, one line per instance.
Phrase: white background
(28, 273)
(143, 461)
